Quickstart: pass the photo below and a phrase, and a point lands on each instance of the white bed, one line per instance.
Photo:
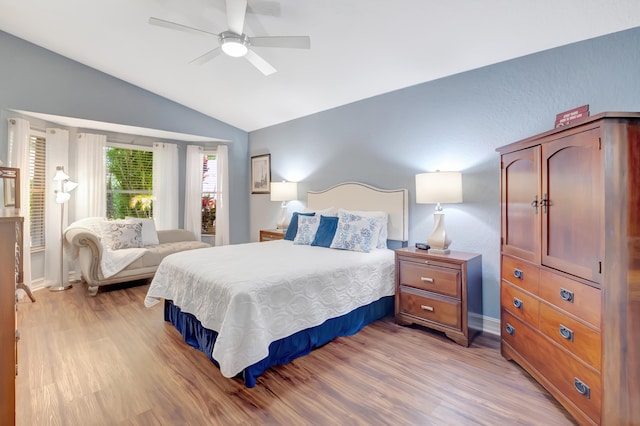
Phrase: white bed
(240, 303)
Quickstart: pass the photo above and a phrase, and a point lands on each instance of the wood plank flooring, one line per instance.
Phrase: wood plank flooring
(108, 360)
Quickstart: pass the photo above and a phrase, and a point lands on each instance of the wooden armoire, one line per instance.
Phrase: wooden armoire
(570, 264)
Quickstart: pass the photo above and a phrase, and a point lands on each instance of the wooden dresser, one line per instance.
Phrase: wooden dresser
(10, 274)
(440, 291)
(570, 268)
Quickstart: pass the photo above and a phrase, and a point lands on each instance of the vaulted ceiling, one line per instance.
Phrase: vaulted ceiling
(359, 48)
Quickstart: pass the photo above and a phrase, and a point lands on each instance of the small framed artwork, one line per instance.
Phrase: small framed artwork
(261, 174)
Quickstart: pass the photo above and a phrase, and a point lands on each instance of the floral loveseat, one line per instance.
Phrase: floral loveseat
(111, 252)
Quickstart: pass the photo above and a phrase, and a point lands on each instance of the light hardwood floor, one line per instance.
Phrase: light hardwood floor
(108, 360)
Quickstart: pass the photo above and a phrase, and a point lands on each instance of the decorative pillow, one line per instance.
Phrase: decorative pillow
(326, 231)
(292, 230)
(119, 234)
(383, 217)
(356, 233)
(329, 211)
(307, 227)
(149, 233)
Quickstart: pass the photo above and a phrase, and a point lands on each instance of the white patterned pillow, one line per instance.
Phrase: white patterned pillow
(149, 233)
(383, 217)
(119, 234)
(356, 233)
(307, 228)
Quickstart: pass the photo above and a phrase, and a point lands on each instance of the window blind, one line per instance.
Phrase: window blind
(37, 194)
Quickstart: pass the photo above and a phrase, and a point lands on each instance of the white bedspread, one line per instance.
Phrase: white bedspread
(253, 294)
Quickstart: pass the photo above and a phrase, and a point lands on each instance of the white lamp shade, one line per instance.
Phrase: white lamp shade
(69, 186)
(439, 187)
(284, 191)
(60, 174)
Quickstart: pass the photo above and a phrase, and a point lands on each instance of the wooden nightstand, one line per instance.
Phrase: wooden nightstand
(440, 291)
(272, 234)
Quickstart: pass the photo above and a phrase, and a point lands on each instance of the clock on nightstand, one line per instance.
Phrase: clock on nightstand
(440, 291)
(271, 234)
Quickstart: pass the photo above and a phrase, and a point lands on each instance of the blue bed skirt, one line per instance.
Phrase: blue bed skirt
(284, 350)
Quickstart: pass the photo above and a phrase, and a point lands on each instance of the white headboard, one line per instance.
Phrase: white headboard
(359, 196)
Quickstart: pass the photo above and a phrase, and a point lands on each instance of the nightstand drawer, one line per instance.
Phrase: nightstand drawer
(430, 307)
(430, 278)
(271, 234)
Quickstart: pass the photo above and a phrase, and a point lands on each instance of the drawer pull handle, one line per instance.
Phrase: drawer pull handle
(426, 308)
(566, 295)
(566, 333)
(518, 274)
(582, 388)
(510, 329)
(426, 279)
(517, 303)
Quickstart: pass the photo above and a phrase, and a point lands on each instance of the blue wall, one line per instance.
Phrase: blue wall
(454, 123)
(38, 80)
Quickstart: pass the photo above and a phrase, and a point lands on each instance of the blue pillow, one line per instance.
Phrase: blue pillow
(292, 230)
(326, 231)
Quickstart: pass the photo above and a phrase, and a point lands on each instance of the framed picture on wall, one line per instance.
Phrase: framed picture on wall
(261, 174)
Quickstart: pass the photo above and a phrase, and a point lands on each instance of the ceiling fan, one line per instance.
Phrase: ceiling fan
(234, 42)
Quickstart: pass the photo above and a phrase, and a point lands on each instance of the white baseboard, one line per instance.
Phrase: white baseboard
(489, 325)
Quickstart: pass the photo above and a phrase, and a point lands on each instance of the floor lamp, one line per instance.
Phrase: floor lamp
(63, 194)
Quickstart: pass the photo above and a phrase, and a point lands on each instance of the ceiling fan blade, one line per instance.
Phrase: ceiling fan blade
(294, 42)
(203, 59)
(175, 26)
(257, 61)
(266, 8)
(236, 9)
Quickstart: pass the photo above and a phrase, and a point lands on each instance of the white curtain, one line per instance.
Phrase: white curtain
(57, 154)
(165, 185)
(91, 194)
(222, 203)
(193, 190)
(18, 156)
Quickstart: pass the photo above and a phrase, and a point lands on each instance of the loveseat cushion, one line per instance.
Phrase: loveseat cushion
(155, 254)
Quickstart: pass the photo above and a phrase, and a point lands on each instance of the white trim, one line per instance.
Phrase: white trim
(491, 325)
(128, 146)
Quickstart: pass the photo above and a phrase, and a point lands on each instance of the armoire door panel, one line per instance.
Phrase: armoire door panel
(520, 199)
(572, 213)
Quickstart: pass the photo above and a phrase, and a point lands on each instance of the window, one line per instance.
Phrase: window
(37, 193)
(209, 193)
(129, 182)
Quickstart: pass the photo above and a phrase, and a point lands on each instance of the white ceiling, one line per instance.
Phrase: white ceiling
(359, 48)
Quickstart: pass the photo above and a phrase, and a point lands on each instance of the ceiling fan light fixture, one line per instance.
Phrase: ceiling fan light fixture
(233, 44)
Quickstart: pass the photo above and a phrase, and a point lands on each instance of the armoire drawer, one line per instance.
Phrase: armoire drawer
(519, 303)
(571, 377)
(431, 278)
(576, 337)
(572, 296)
(430, 307)
(521, 274)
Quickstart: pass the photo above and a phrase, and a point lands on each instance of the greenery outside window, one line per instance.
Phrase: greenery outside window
(129, 182)
(209, 193)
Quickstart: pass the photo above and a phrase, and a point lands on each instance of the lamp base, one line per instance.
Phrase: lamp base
(438, 251)
(60, 287)
(439, 239)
